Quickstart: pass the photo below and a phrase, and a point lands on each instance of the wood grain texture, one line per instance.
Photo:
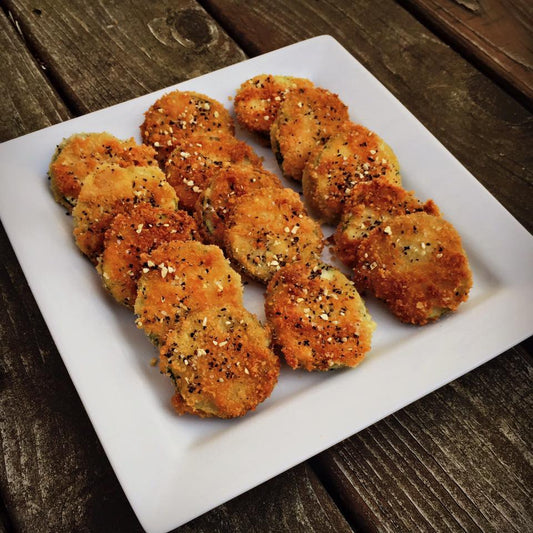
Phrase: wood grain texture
(54, 473)
(102, 53)
(457, 460)
(29, 102)
(293, 501)
(486, 129)
(498, 34)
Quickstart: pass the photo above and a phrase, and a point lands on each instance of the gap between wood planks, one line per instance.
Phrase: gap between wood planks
(423, 19)
(47, 73)
(447, 36)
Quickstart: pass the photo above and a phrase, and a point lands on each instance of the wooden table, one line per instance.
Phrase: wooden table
(460, 458)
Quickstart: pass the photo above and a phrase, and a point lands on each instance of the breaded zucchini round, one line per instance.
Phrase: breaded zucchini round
(194, 161)
(220, 362)
(371, 204)
(179, 114)
(269, 228)
(83, 153)
(305, 120)
(111, 190)
(131, 234)
(417, 265)
(346, 159)
(226, 184)
(181, 277)
(258, 99)
(318, 319)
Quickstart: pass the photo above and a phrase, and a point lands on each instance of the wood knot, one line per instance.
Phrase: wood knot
(189, 27)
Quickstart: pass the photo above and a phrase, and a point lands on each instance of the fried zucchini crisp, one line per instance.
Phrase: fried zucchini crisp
(132, 234)
(220, 362)
(305, 120)
(83, 153)
(196, 159)
(225, 185)
(179, 278)
(370, 205)
(111, 190)
(318, 319)
(417, 265)
(179, 114)
(268, 228)
(356, 155)
(258, 99)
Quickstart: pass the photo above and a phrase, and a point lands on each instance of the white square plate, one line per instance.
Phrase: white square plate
(172, 468)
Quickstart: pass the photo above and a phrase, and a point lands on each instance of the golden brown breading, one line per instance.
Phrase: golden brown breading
(132, 234)
(179, 278)
(196, 159)
(417, 265)
(179, 114)
(220, 362)
(226, 184)
(112, 190)
(346, 159)
(317, 317)
(370, 205)
(306, 119)
(258, 99)
(83, 153)
(268, 228)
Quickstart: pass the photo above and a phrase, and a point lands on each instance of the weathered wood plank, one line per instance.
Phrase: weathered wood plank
(54, 475)
(494, 33)
(28, 100)
(53, 471)
(458, 460)
(102, 53)
(293, 501)
(487, 130)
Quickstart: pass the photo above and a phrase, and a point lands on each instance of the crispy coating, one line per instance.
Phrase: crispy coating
(226, 184)
(196, 159)
(305, 120)
(220, 362)
(417, 265)
(258, 99)
(346, 159)
(318, 319)
(134, 233)
(111, 190)
(179, 278)
(82, 153)
(268, 228)
(179, 114)
(371, 204)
